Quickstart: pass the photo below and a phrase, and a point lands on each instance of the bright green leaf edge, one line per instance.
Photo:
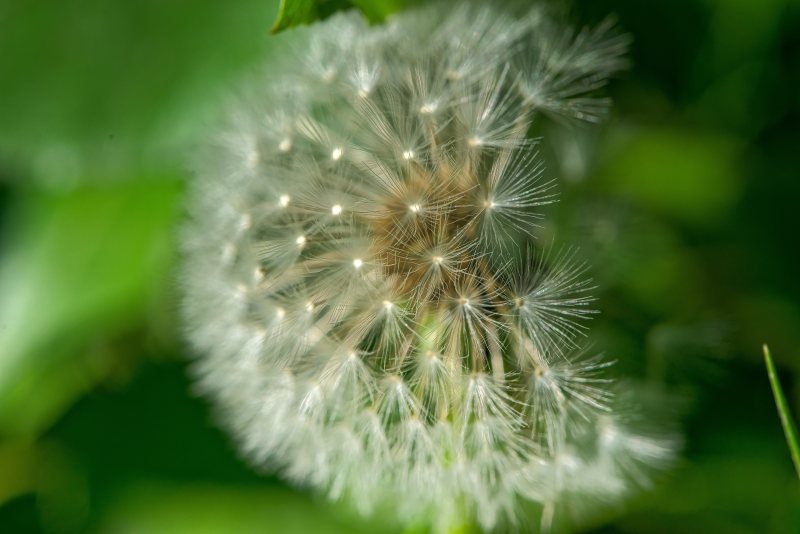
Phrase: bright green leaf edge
(293, 13)
(783, 411)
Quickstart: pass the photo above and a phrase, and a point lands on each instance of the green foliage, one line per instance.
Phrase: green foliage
(699, 186)
(78, 268)
(102, 91)
(293, 13)
(218, 509)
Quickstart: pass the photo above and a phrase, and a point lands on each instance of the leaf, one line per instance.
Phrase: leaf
(78, 267)
(294, 13)
(212, 509)
(378, 10)
(690, 176)
(783, 411)
(75, 112)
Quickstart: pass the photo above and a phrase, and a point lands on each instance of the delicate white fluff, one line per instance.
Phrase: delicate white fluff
(371, 312)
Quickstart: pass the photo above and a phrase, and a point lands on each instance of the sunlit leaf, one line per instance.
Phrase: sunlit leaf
(294, 13)
(77, 267)
(212, 509)
(90, 91)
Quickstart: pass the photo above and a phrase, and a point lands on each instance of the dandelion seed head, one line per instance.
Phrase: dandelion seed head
(418, 348)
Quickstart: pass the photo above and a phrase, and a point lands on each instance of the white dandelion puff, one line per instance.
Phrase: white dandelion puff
(371, 310)
(566, 66)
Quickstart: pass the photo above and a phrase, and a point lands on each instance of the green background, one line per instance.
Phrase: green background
(687, 203)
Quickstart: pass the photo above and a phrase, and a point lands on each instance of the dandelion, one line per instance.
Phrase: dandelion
(373, 313)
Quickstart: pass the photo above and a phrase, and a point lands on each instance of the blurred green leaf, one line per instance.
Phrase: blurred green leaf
(692, 177)
(93, 89)
(209, 509)
(378, 10)
(294, 13)
(77, 267)
(17, 461)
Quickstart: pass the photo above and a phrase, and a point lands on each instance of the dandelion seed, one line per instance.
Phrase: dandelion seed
(252, 159)
(228, 253)
(429, 108)
(241, 291)
(336, 209)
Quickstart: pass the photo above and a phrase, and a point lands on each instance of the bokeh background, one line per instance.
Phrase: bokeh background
(687, 203)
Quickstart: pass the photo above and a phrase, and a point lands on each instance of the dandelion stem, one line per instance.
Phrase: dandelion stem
(783, 411)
